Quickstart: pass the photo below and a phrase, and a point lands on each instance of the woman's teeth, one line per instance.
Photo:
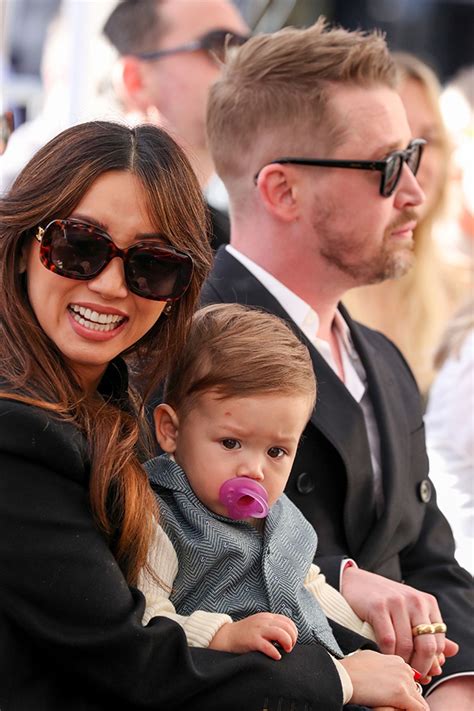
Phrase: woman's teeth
(94, 320)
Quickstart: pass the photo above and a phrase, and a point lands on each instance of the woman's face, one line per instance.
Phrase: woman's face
(116, 202)
(424, 124)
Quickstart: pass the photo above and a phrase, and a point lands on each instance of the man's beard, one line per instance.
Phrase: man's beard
(388, 260)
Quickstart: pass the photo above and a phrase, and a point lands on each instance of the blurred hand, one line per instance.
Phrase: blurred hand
(456, 693)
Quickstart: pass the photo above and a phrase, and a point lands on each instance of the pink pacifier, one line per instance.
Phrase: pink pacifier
(244, 498)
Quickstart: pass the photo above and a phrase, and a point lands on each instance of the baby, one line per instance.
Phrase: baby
(233, 553)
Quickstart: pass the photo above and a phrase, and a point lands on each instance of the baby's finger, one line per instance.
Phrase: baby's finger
(274, 633)
(288, 625)
(268, 648)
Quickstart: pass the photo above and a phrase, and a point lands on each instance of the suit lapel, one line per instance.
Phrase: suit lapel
(393, 432)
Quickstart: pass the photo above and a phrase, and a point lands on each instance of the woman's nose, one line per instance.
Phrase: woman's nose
(110, 283)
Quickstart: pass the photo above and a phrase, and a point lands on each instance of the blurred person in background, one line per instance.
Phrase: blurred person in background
(449, 425)
(456, 233)
(54, 116)
(74, 58)
(413, 310)
(170, 54)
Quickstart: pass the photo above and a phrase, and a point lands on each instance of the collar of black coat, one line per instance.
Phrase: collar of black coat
(114, 383)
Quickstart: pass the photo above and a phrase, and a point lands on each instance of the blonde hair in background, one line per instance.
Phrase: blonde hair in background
(273, 92)
(413, 310)
(239, 351)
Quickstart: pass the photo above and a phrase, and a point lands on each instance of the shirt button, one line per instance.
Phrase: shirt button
(304, 483)
(424, 491)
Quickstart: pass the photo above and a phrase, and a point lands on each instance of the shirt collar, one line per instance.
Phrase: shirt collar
(301, 313)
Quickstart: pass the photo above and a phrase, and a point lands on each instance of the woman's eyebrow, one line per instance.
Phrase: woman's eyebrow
(90, 220)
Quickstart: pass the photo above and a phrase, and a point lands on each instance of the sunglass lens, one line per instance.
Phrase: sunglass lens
(392, 174)
(218, 41)
(75, 251)
(158, 274)
(414, 158)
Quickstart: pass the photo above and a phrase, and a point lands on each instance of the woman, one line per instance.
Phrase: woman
(413, 310)
(102, 255)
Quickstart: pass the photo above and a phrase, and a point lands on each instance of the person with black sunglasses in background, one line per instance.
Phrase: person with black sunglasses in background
(103, 251)
(170, 53)
(311, 139)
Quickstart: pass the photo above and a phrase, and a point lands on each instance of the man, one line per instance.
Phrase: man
(304, 230)
(170, 52)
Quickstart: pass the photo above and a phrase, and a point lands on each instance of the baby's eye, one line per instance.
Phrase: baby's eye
(230, 443)
(276, 452)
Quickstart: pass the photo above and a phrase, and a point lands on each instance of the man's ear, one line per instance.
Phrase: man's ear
(279, 191)
(129, 84)
(166, 427)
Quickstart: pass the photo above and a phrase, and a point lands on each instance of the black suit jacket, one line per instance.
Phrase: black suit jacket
(219, 227)
(71, 637)
(332, 480)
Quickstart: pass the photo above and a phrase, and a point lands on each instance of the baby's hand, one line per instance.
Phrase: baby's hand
(381, 680)
(257, 633)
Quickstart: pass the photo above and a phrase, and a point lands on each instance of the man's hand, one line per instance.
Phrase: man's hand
(393, 609)
(257, 633)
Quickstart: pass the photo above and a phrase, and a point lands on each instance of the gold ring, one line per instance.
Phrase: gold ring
(439, 627)
(422, 629)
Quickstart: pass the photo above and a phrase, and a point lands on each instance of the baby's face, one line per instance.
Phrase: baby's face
(254, 437)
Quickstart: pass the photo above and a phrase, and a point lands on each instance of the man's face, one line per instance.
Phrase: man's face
(178, 85)
(365, 237)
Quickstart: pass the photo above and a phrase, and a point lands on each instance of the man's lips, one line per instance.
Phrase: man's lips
(405, 229)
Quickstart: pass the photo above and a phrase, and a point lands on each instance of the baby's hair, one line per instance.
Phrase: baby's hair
(238, 351)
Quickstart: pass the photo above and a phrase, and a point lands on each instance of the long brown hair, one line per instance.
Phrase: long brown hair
(50, 186)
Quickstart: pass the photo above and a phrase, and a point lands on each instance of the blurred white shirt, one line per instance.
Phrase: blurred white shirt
(449, 424)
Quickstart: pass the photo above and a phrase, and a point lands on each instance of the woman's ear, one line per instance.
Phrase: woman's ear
(166, 427)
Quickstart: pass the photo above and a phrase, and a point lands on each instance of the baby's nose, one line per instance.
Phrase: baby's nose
(252, 470)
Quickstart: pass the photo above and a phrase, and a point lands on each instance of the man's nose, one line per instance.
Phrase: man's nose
(408, 191)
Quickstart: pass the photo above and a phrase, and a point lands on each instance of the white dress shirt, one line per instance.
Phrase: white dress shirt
(449, 424)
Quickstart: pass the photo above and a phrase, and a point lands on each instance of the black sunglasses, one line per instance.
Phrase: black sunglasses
(215, 42)
(391, 167)
(78, 250)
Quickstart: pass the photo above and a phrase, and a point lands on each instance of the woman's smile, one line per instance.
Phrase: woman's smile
(93, 321)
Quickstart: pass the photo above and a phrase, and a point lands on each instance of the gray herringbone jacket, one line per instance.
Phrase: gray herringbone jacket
(230, 567)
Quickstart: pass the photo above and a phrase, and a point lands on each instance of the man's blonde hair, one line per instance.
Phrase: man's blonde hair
(278, 84)
(239, 351)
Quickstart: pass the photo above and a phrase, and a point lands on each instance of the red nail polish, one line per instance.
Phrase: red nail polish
(416, 675)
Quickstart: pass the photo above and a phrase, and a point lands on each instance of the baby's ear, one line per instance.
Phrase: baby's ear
(166, 427)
